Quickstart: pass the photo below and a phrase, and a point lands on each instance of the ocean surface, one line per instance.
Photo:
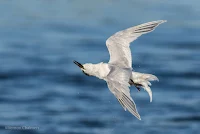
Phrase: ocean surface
(43, 92)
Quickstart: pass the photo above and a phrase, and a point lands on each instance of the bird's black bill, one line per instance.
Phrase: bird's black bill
(78, 64)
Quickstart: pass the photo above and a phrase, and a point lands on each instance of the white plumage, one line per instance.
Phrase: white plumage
(118, 71)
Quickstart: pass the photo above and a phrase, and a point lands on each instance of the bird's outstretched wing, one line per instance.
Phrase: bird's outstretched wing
(122, 94)
(118, 44)
(117, 81)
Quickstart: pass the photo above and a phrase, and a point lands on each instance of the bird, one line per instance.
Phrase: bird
(118, 72)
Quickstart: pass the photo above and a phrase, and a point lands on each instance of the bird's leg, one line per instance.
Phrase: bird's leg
(131, 82)
(138, 88)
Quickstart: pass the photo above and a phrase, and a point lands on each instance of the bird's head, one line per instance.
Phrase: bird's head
(85, 68)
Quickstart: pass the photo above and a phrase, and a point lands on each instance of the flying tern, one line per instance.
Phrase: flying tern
(118, 72)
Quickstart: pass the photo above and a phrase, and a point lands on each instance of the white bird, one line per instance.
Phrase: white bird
(118, 71)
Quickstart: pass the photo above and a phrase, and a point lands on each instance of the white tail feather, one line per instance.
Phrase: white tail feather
(143, 80)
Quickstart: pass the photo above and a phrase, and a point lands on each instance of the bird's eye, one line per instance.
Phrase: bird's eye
(85, 73)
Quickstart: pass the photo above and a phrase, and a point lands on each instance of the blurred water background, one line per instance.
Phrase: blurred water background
(41, 87)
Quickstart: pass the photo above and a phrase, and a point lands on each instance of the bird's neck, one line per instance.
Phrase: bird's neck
(100, 70)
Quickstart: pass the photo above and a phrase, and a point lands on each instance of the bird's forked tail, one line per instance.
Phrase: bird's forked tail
(143, 80)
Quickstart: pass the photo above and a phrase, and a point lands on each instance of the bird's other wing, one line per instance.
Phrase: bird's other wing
(117, 81)
(118, 44)
(124, 98)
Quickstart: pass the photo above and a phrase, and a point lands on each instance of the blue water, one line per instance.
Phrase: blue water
(41, 87)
